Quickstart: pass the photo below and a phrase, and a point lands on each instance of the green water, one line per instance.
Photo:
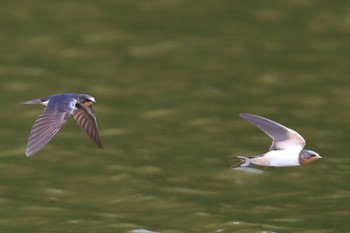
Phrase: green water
(170, 78)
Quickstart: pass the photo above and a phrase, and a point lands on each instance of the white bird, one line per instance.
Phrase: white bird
(286, 149)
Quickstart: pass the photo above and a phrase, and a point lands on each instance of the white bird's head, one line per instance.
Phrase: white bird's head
(308, 156)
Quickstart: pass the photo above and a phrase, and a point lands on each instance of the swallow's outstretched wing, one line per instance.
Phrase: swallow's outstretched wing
(49, 123)
(283, 137)
(85, 117)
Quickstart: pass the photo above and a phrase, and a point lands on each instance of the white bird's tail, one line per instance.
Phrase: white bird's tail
(244, 161)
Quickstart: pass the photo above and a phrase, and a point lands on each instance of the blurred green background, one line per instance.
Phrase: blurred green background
(170, 78)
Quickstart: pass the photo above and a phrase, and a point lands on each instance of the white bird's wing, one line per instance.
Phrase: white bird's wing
(283, 137)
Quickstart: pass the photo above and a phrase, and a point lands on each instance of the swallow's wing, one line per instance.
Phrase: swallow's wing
(49, 123)
(85, 117)
(283, 137)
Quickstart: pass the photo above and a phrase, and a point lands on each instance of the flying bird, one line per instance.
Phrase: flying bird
(287, 147)
(58, 108)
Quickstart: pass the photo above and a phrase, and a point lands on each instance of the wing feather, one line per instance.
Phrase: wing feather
(283, 137)
(48, 124)
(85, 117)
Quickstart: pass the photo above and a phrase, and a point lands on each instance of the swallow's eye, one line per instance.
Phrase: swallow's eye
(313, 155)
(88, 100)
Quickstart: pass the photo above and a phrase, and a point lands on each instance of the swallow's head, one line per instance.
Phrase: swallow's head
(86, 100)
(308, 156)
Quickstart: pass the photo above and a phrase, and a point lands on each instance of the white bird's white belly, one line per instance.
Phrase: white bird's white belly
(283, 158)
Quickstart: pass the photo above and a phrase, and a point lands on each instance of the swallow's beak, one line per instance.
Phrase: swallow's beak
(92, 100)
(319, 157)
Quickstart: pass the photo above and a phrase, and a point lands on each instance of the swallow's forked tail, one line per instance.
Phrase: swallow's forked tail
(34, 101)
(244, 162)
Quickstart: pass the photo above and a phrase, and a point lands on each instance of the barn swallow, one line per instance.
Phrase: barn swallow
(286, 149)
(58, 108)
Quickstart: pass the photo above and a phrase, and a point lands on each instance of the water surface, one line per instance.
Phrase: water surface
(170, 78)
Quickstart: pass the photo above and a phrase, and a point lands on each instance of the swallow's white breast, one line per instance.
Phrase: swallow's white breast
(283, 158)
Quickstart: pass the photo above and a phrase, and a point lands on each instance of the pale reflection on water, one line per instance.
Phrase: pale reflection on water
(250, 170)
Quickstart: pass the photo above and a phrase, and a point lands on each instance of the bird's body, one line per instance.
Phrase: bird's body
(58, 109)
(286, 149)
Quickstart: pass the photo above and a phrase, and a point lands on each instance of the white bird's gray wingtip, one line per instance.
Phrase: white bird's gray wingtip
(246, 115)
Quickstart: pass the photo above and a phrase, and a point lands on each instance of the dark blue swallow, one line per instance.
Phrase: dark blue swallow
(58, 108)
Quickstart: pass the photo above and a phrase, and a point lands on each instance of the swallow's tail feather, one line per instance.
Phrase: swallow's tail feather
(244, 161)
(35, 101)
